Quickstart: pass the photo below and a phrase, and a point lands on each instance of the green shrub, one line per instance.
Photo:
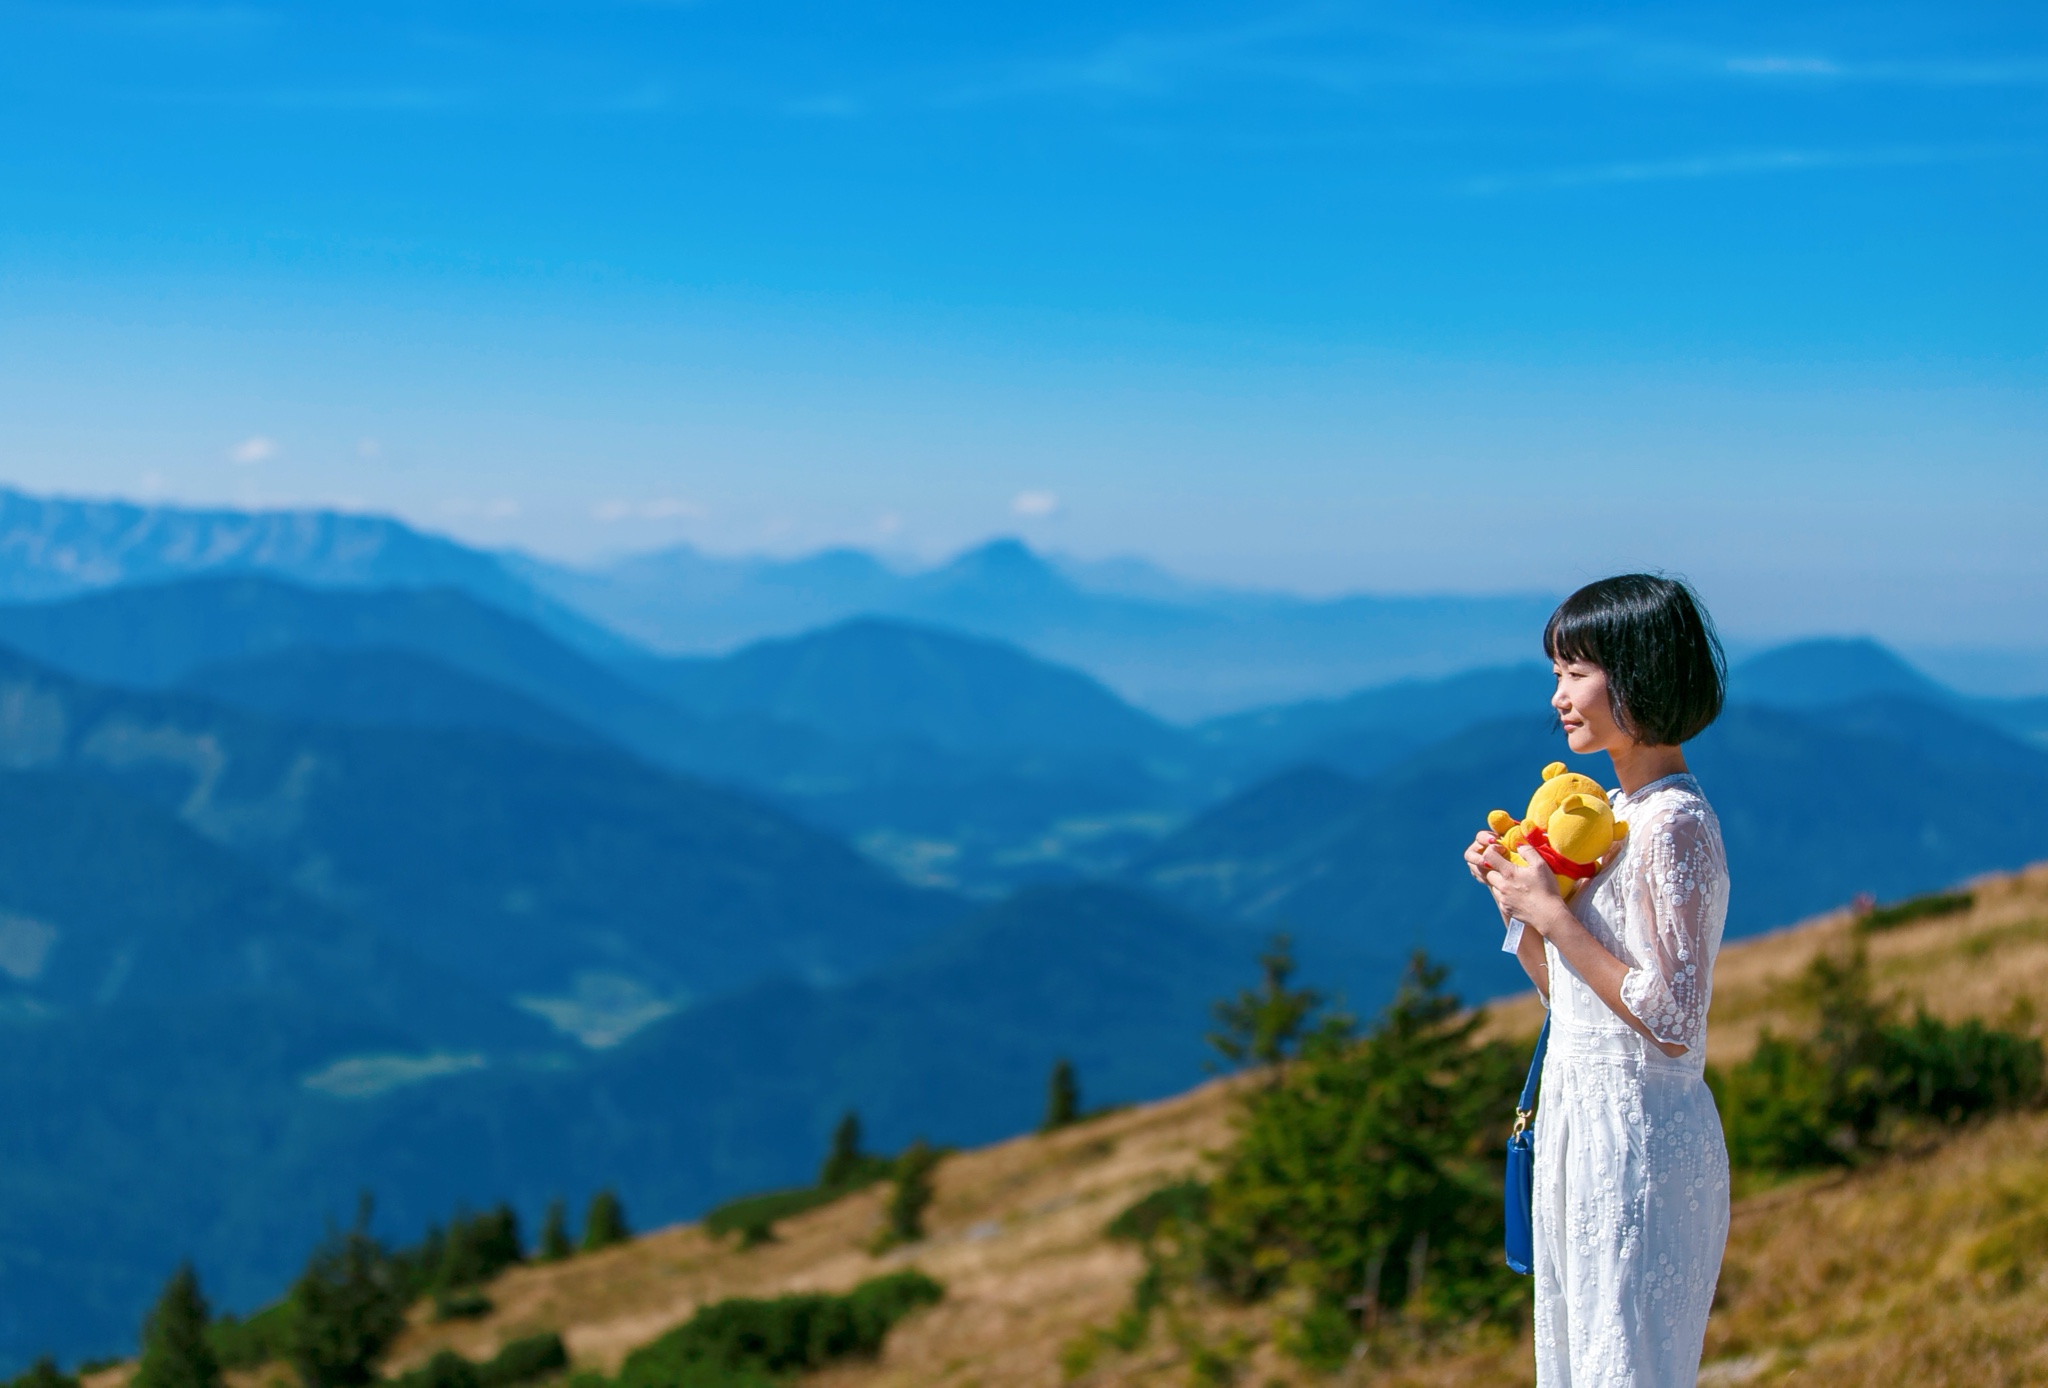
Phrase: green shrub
(522, 1361)
(743, 1342)
(525, 1360)
(1916, 908)
(446, 1369)
(44, 1373)
(1183, 1202)
(261, 1339)
(1841, 1095)
(766, 1209)
(462, 1304)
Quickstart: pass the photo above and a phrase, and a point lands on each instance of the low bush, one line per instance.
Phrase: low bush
(525, 1360)
(743, 1342)
(248, 1344)
(468, 1304)
(44, 1373)
(765, 1210)
(1865, 1077)
(522, 1361)
(1916, 908)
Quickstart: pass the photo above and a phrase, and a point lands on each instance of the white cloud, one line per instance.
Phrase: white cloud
(252, 450)
(1035, 505)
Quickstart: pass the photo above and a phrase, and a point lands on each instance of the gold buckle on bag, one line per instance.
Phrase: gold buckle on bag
(1522, 1117)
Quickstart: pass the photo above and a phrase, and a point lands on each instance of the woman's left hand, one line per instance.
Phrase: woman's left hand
(1526, 891)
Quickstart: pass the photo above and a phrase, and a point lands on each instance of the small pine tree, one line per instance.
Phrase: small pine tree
(1262, 1026)
(554, 1234)
(44, 1373)
(175, 1350)
(845, 1160)
(1062, 1097)
(347, 1307)
(903, 1220)
(605, 1224)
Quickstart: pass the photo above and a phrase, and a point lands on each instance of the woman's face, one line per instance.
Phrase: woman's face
(1583, 707)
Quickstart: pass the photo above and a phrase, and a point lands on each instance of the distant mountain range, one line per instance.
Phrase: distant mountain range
(53, 547)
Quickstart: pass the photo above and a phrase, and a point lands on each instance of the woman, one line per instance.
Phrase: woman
(1631, 1202)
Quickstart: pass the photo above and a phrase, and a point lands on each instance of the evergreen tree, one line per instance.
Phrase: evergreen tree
(844, 1162)
(1262, 1026)
(478, 1248)
(554, 1234)
(903, 1219)
(44, 1373)
(1368, 1177)
(347, 1307)
(605, 1224)
(1062, 1097)
(175, 1351)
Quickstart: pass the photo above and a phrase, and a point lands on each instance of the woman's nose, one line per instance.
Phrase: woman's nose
(1559, 702)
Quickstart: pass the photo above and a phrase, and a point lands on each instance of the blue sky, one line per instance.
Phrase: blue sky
(1321, 296)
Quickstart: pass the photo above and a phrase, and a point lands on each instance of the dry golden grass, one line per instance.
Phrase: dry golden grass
(1928, 1269)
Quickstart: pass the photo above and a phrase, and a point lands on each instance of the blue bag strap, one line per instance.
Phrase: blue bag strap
(1525, 1109)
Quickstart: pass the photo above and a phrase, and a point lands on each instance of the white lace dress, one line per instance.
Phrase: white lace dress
(1631, 1206)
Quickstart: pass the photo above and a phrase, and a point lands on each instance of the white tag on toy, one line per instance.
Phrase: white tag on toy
(1513, 943)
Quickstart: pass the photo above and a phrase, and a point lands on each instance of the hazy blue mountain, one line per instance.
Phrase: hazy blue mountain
(871, 680)
(1832, 671)
(107, 900)
(915, 735)
(376, 687)
(53, 547)
(1810, 807)
(1376, 728)
(156, 635)
(680, 599)
(1180, 650)
(1192, 659)
(573, 874)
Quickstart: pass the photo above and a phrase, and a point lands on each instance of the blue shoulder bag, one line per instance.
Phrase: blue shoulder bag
(1520, 1194)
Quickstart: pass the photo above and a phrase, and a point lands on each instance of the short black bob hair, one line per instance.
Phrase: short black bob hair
(1666, 672)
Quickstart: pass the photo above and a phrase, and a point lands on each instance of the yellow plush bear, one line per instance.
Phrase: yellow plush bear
(1570, 826)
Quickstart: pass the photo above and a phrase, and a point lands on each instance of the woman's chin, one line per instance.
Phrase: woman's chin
(1581, 740)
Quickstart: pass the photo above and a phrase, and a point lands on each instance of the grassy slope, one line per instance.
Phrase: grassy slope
(1929, 1269)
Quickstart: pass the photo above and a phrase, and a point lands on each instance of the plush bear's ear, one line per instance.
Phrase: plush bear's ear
(1556, 768)
(1620, 828)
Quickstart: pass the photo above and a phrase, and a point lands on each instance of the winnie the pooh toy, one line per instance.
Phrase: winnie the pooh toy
(1570, 826)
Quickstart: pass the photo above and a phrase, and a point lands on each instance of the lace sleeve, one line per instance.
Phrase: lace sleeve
(1678, 905)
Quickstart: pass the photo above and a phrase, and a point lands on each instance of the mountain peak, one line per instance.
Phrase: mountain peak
(1830, 670)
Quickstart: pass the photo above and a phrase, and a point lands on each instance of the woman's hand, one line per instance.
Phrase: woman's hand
(1475, 856)
(1526, 891)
